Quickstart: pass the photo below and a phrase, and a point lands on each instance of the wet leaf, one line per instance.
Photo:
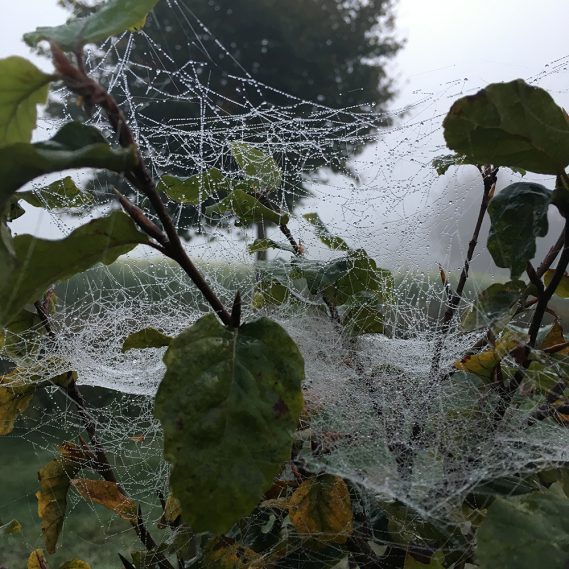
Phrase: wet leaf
(195, 189)
(15, 396)
(332, 241)
(525, 532)
(24, 87)
(11, 528)
(37, 560)
(364, 314)
(75, 145)
(54, 479)
(518, 215)
(554, 337)
(58, 195)
(264, 244)
(510, 124)
(75, 564)
(492, 303)
(562, 289)
(43, 262)
(108, 495)
(340, 279)
(258, 166)
(269, 293)
(172, 512)
(483, 363)
(111, 19)
(247, 208)
(222, 555)
(321, 507)
(147, 338)
(22, 334)
(441, 164)
(229, 404)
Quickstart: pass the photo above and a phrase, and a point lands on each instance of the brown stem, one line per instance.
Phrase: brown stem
(100, 463)
(544, 299)
(297, 247)
(489, 178)
(95, 95)
(551, 255)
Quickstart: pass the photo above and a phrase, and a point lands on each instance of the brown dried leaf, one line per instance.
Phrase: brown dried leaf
(109, 495)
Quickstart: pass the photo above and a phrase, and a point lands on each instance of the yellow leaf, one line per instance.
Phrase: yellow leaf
(109, 495)
(484, 363)
(172, 512)
(36, 560)
(562, 289)
(52, 496)
(15, 396)
(553, 337)
(222, 555)
(75, 564)
(321, 507)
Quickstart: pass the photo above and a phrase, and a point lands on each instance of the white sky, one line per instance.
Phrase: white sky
(452, 46)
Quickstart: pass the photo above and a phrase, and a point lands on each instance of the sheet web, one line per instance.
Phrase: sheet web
(364, 397)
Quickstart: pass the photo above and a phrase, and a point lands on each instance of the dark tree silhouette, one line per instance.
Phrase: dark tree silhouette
(221, 58)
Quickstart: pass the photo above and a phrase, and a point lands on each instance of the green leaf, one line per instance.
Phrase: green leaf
(248, 209)
(332, 241)
(74, 146)
(58, 195)
(341, 278)
(21, 335)
(525, 532)
(510, 124)
(364, 314)
(195, 189)
(147, 338)
(42, 262)
(562, 289)
(229, 404)
(24, 87)
(441, 164)
(264, 244)
(492, 303)
(269, 293)
(518, 215)
(113, 18)
(260, 167)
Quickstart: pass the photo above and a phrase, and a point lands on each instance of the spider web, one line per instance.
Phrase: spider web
(364, 396)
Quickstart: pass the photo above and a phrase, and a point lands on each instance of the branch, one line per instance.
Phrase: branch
(94, 94)
(100, 462)
(489, 177)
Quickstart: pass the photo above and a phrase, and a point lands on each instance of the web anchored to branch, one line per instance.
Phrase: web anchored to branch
(376, 415)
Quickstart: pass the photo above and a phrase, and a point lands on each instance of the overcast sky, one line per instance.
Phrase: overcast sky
(453, 47)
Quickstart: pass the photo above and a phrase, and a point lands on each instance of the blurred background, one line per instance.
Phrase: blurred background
(348, 95)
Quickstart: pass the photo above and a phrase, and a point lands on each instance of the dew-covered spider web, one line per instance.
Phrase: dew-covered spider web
(364, 396)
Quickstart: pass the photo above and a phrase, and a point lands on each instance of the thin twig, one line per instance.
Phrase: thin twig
(94, 94)
(489, 175)
(100, 463)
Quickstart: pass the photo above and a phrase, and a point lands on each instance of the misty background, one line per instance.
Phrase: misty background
(396, 206)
